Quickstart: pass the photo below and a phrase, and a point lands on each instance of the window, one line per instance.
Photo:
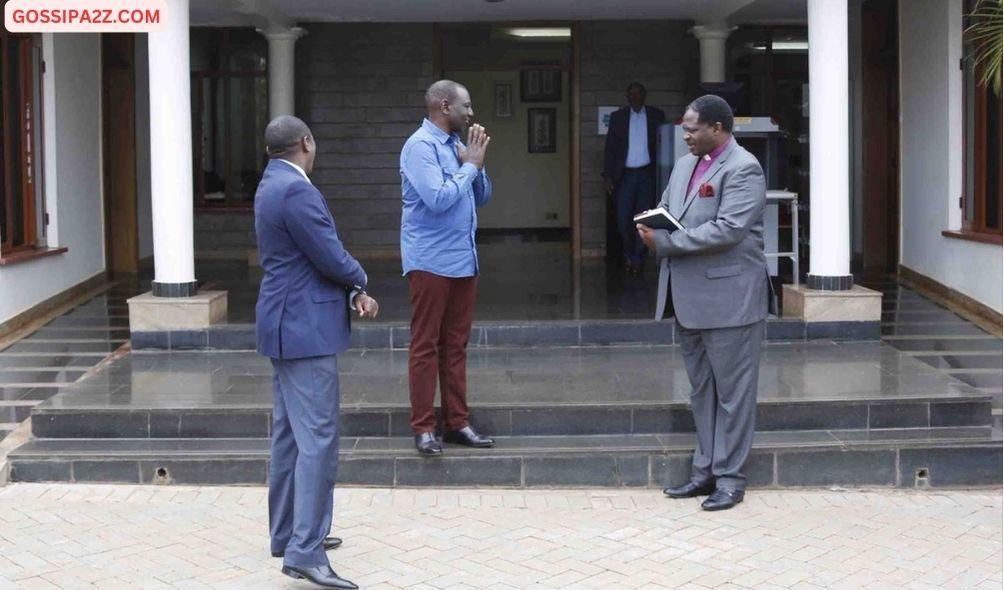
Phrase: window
(982, 200)
(229, 115)
(21, 207)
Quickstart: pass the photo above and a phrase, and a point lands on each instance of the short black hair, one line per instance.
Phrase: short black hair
(282, 133)
(638, 85)
(712, 109)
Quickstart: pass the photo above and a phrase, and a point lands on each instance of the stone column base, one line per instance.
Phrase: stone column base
(854, 313)
(169, 314)
(857, 304)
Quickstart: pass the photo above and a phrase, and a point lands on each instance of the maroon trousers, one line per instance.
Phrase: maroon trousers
(442, 310)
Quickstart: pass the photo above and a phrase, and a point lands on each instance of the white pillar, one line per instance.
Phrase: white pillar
(712, 38)
(829, 147)
(171, 155)
(281, 70)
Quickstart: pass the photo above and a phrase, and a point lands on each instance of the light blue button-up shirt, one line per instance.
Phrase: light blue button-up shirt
(637, 155)
(440, 197)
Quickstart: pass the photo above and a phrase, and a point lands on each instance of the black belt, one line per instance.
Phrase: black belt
(645, 167)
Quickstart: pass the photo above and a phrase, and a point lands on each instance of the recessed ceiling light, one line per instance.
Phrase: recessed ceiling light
(783, 46)
(539, 32)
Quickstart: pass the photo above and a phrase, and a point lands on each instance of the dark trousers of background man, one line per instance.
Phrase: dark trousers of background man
(634, 195)
(442, 310)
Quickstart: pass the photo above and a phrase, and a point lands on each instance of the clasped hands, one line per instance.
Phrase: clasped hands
(477, 145)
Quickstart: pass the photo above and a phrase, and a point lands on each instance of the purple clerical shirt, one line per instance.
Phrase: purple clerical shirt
(705, 163)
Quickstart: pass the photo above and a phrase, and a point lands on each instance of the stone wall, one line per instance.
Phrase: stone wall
(361, 88)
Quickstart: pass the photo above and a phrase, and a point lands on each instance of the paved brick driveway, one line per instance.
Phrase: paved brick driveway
(81, 536)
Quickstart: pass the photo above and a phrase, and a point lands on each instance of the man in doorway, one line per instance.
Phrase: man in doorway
(310, 287)
(443, 182)
(720, 293)
(629, 171)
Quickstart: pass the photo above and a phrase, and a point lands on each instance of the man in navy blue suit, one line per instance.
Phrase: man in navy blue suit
(628, 171)
(311, 285)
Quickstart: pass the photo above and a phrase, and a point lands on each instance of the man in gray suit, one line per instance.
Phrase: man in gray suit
(720, 292)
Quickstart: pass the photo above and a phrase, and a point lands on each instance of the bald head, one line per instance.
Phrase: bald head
(283, 134)
(449, 105)
(289, 138)
(447, 90)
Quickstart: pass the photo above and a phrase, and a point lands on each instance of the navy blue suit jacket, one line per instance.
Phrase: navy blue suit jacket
(303, 307)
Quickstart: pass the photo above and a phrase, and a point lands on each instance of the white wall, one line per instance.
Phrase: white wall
(144, 204)
(931, 148)
(72, 94)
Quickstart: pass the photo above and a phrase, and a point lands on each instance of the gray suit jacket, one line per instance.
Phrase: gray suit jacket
(717, 265)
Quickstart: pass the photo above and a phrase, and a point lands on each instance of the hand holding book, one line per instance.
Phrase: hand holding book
(658, 218)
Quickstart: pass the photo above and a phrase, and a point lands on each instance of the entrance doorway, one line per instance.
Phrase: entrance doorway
(880, 137)
(520, 81)
(118, 87)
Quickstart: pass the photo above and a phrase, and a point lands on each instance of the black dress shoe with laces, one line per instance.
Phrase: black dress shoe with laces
(427, 444)
(468, 437)
(323, 576)
(690, 490)
(723, 499)
(329, 544)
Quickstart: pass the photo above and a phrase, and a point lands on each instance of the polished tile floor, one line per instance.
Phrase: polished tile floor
(519, 281)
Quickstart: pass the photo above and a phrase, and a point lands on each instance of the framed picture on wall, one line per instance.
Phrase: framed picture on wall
(540, 85)
(503, 101)
(542, 131)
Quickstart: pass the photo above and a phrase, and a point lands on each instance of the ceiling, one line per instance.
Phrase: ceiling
(288, 12)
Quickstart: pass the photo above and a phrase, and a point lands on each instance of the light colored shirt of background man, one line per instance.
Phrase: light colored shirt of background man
(638, 156)
(443, 182)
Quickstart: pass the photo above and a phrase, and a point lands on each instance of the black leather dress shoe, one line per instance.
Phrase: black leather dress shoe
(690, 490)
(468, 437)
(723, 500)
(329, 544)
(323, 576)
(427, 444)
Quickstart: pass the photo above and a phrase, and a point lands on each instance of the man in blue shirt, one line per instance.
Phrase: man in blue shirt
(443, 181)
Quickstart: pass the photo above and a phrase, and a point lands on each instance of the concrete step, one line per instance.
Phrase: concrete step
(248, 415)
(923, 457)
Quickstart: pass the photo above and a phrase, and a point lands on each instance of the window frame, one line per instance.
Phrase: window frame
(222, 77)
(975, 197)
(30, 68)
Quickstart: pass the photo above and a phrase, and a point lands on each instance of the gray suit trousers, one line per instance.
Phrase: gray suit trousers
(724, 366)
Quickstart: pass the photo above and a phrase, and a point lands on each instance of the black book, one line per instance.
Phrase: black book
(658, 218)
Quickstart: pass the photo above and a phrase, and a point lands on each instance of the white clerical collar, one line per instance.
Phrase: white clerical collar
(298, 169)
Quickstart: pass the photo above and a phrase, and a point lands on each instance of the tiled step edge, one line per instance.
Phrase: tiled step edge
(559, 419)
(903, 458)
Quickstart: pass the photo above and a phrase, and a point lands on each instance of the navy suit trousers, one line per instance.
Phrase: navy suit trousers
(304, 458)
(634, 195)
